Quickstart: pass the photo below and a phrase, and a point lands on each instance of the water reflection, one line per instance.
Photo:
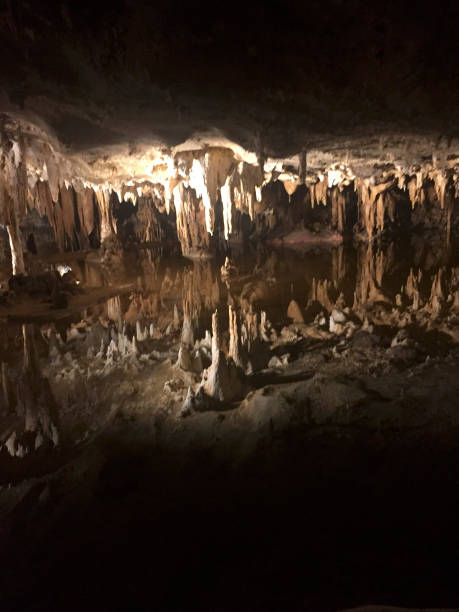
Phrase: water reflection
(54, 367)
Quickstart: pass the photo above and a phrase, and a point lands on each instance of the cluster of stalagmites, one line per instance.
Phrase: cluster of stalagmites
(204, 190)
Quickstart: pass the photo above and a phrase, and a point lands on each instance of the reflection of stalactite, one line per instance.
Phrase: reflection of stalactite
(320, 293)
(338, 204)
(318, 192)
(148, 225)
(249, 329)
(338, 265)
(191, 220)
(7, 395)
(371, 269)
(114, 309)
(372, 203)
(34, 403)
(201, 292)
(412, 288)
(234, 340)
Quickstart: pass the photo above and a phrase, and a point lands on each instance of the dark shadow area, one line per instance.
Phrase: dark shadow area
(315, 519)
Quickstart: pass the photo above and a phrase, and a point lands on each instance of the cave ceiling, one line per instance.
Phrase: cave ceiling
(349, 80)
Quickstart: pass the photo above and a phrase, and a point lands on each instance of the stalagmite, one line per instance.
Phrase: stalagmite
(412, 289)
(223, 380)
(436, 300)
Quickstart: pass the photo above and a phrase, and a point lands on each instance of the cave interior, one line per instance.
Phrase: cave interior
(229, 306)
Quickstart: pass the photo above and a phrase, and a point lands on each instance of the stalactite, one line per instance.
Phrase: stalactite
(290, 187)
(241, 190)
(107, 227)
(319, 192)
(225, 191)
(148, 225)
(338, 204)
(191, 223)
(68, 211)
(13, 192)
(85, 207)
(44, 201)
(209, 172)
(440, 181)
(17, 257)
(371, 203)
(52, 174)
